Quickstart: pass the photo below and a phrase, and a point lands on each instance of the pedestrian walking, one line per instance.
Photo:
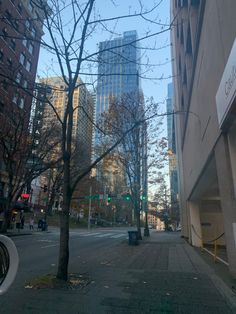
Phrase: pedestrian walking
(31, 223)
(22, 221)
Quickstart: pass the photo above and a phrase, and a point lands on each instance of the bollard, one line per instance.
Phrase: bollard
(215, 250)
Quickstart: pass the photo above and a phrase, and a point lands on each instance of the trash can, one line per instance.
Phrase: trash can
(133, 237)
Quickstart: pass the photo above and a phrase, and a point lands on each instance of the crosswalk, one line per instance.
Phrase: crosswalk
(87, 234)
(99, 235)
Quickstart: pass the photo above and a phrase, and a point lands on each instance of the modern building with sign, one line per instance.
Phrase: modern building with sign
(204, 71)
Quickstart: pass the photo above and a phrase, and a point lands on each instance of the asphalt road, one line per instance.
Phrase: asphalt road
(161, 275)
(38, 253)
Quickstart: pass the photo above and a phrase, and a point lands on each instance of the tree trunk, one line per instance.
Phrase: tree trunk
(138, 224)
(62, 272)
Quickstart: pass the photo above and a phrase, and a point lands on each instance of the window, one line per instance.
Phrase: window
(22, 103)
(22, 59)
(4, 85)
(1, 106)
(4, 32)
(31, 48)
(18, 77)
(27, 25)
(19, 8)
(30, 7)
(8, 16)
(28, 65)
(1, 55)
(189, 42)
(15, 98)
(13, 44)
(9, 62)
(25, 84)
(16, 24)
(33, 32)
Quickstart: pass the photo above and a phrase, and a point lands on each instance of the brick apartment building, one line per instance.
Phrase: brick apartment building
(20, 34)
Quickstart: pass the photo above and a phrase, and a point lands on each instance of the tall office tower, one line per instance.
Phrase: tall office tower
(118, 74)
(20, 34)
(173, 171)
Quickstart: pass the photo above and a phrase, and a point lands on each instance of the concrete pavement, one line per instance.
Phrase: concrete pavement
(161, 275)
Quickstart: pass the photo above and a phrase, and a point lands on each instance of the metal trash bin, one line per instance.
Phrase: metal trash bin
(133, 237)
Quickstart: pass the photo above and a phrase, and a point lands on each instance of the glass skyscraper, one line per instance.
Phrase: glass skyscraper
(118, 74)
(118, 69)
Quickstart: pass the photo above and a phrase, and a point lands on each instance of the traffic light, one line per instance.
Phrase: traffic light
(127, 197)
(144, 197)
(108, 198)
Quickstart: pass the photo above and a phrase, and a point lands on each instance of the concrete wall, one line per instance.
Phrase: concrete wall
(214, 229)
(217, 36)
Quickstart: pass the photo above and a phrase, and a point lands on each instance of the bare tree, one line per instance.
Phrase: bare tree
(142, 150)
(69, 26)
(25, 155)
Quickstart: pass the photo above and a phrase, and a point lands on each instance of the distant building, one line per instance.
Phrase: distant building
(204, 71)
(43, 117)
(173, 170)
(20, 33)
(118, 75)
(83, 104)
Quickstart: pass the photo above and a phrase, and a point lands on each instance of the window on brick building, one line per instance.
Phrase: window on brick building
(4, 32)
(9, 62)
(22, 58)
(22, 103)
(19, 8)
(30, 7)
(27, 25)
(4, 84)
(25, 83)
(1, 55)
(13, 44)
(18, 77)
(31, 48)
(28, 65)
(15, 98)
(1, 106)
(33, 32)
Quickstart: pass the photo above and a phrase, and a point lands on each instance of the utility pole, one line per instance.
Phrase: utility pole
(89, 211)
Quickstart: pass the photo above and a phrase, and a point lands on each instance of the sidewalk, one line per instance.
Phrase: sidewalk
(163, 274)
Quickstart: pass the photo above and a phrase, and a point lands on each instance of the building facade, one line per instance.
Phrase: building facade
(173, 169)
(20, 34)
(53, 90)
(118, 75)
(204, 53)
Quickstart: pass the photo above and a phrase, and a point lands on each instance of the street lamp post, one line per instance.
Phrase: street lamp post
(146, 229)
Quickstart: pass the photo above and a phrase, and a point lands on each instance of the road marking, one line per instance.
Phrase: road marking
(104, 235)
(44, 241)
(47, 246)
(90, 234)
(116, 236)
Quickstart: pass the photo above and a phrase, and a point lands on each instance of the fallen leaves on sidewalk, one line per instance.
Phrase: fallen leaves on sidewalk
(49, 281)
